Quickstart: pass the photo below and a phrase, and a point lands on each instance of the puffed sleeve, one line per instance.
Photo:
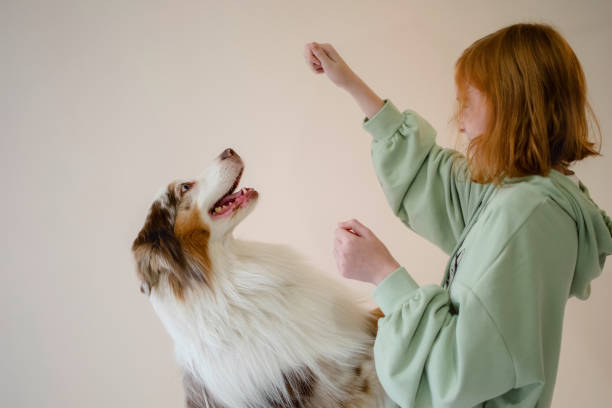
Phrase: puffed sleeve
(417, 176)
(427, 356)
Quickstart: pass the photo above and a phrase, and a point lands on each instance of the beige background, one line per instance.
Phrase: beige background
(103, 102)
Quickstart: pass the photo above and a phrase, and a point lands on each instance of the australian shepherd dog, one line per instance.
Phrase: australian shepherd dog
(253, 324)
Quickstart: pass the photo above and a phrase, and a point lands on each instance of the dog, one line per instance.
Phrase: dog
(253, 324)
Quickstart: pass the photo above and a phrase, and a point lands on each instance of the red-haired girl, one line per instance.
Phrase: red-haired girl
(522, 232)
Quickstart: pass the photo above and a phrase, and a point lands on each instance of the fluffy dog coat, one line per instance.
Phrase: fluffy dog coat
(253, 324)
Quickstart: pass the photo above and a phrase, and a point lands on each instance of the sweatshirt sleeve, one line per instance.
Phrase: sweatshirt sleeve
(427, 356)
(417, 176)
(506, 330)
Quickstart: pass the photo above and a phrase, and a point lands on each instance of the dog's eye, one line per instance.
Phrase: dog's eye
(185, 187)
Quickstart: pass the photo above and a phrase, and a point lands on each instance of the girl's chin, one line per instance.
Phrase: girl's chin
(469, 136)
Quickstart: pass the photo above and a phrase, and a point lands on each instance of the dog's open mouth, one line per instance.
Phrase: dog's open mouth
(232, 201)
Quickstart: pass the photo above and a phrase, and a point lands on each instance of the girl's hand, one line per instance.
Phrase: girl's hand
(323, 58)
(360, 254)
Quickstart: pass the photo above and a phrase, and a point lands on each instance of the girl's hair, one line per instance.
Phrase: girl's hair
(536, 94)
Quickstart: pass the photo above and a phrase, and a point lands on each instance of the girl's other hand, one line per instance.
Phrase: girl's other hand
(360, 255)
(323, 58)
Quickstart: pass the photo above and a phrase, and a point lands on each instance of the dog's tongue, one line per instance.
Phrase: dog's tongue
(230, 197)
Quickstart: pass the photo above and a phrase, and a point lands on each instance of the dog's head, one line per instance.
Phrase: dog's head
(184, 219)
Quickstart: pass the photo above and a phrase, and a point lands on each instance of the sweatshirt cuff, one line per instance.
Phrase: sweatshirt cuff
(385, 122)
(394, 289)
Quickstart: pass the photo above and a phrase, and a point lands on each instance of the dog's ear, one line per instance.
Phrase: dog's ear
(157, 249)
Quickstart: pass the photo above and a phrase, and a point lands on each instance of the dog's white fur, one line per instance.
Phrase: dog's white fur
(265, 312)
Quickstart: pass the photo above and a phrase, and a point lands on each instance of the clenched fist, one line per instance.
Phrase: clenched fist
(323, 58)
(360, 254)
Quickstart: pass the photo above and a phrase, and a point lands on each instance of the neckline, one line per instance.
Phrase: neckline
(553, 172)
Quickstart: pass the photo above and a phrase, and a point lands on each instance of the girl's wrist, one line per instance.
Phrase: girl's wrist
(368, 101)
(384, 272)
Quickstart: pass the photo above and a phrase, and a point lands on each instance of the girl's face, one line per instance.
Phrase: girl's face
(474, 114)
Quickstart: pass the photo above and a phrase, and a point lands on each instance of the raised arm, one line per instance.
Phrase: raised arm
(323, 58)
(427, 186)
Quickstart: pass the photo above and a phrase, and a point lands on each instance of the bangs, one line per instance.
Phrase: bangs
(536, 91)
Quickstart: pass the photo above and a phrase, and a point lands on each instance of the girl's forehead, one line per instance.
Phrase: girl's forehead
(473, 92)
(465, 87)
(467, 91)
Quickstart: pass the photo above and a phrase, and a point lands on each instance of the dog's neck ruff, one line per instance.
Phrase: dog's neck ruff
(261, 318)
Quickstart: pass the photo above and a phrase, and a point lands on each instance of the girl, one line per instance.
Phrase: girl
(522, 232)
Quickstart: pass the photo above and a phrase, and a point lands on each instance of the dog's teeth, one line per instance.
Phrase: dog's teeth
(222, 207)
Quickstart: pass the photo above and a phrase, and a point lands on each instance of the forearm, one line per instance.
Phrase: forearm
(366, 98)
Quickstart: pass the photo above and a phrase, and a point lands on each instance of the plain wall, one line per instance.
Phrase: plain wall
(104, 102)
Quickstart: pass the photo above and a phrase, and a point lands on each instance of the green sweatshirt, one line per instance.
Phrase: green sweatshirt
(490, 334)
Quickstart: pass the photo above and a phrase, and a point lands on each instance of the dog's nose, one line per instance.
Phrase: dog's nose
(227, 153)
